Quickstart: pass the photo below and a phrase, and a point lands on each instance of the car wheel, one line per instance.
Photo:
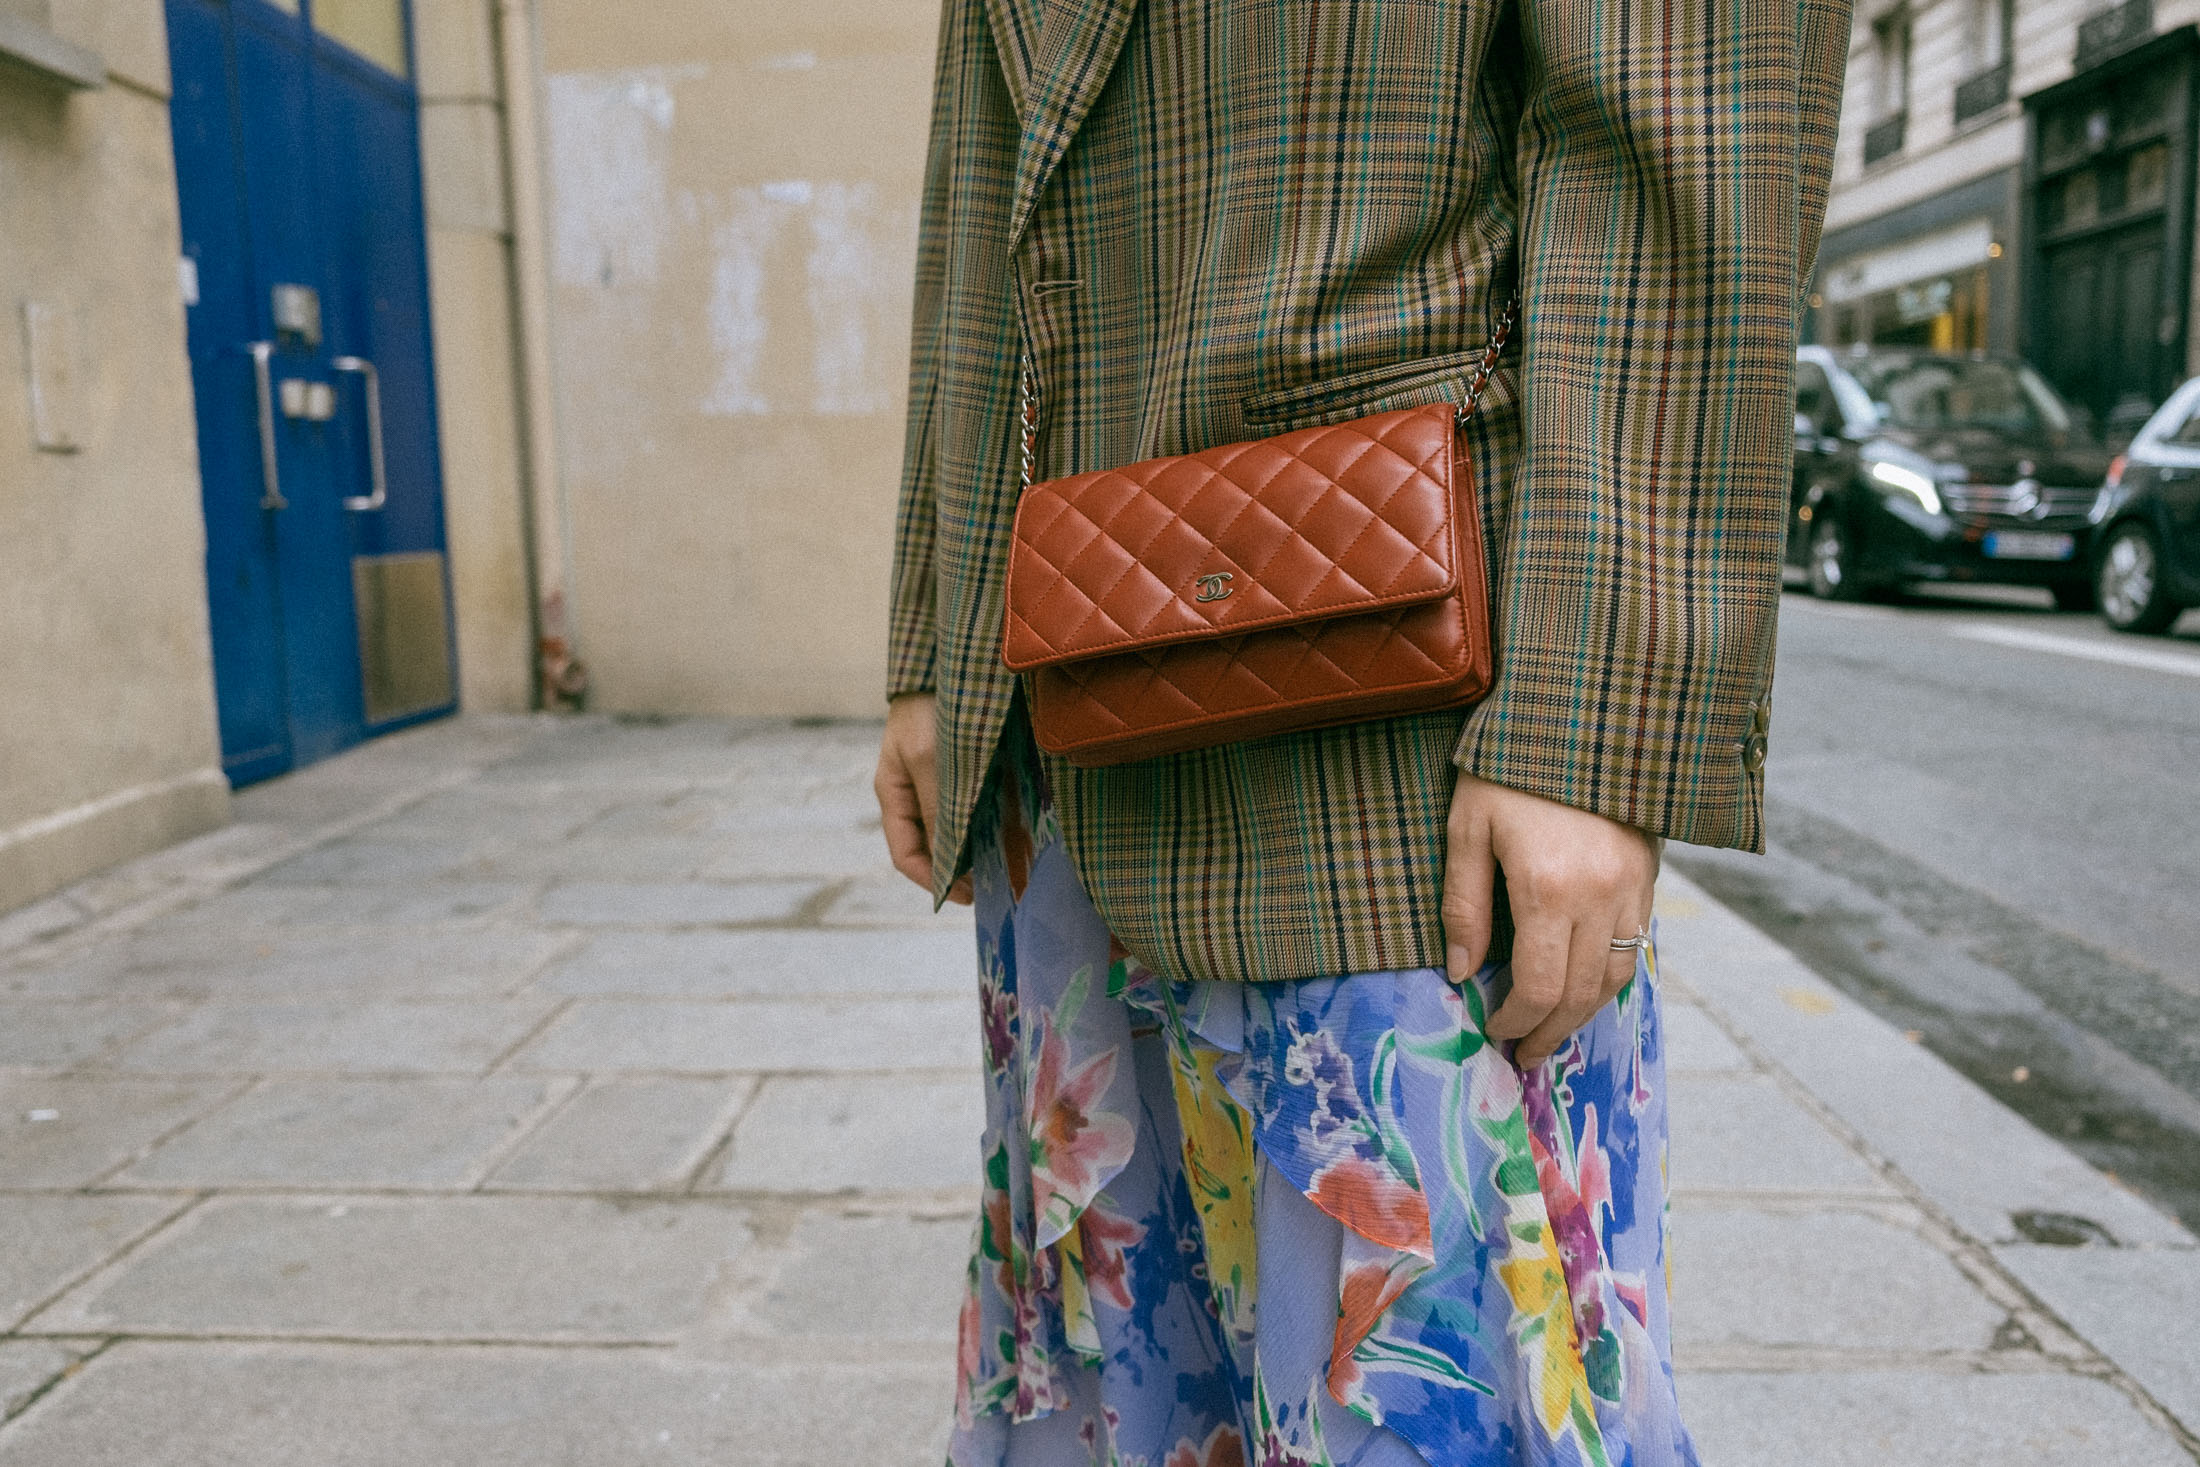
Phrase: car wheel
(2129, 576)
(1830, 566)
(2075, 596)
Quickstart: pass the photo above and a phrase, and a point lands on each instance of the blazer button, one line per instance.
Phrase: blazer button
(1753, 753)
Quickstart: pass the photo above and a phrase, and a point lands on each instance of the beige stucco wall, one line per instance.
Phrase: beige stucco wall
(107, 738)
(732, 201)
(470, 285)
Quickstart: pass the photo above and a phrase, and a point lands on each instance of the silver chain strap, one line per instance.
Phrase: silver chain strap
(1488, 364)
(1027, 412)
(1027, 418)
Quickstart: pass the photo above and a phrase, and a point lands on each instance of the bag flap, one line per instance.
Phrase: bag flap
(1330, 521)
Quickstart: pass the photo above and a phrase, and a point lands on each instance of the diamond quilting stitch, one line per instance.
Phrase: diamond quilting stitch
(1211, 473)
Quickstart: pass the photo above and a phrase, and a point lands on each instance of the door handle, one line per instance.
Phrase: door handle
(271, 476)
(377, 475)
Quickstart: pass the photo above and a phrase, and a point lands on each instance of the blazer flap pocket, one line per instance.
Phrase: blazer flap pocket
(1322, 522)
(1378, 389)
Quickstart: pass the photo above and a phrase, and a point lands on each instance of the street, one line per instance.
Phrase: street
(1984, 820)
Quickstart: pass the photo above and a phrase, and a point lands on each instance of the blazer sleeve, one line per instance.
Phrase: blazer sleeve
(1671, 167)
(912, 655)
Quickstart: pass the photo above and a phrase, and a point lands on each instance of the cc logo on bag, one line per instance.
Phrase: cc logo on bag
(1216, 586)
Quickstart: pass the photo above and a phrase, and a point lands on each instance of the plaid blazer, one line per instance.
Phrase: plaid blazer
(1209, 220)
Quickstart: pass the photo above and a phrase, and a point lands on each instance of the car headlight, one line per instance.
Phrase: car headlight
(1906, 480)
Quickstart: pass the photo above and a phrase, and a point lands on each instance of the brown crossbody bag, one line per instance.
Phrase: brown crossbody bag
(1324, 576)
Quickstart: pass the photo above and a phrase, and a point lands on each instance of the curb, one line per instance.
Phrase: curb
(1978, 1165)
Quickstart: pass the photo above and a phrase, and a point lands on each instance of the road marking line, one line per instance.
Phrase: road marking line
(2176, 662)
(1841, 612)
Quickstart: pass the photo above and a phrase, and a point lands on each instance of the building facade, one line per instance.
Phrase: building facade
(372, 359)
(2017, 176)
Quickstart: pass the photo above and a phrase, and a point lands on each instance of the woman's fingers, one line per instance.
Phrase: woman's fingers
(907, 841)
(907, 785)
(1470, 886)
(1589, 967)
(908, 790)
(1542, 941)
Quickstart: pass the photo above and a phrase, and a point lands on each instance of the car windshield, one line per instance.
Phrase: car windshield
(1958, 392)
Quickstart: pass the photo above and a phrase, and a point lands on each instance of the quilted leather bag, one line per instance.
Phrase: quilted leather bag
(1324, 576)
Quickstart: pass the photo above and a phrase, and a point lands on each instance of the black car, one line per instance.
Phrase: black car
(2147, 521)
(1930, 466)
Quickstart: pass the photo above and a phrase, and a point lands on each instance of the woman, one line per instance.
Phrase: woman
(1325, 1117)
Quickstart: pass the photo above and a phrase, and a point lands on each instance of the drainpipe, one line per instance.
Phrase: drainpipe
(561, 678)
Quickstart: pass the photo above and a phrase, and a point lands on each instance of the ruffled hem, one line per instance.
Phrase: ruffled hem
(1490, 1302)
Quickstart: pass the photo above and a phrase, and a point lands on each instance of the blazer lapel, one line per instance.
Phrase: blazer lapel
(1015, 27)
(1077, 45)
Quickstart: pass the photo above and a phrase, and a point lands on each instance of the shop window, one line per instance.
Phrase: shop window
(2075, 201)
(2146, 178)
(373, 28)
(1942, 313)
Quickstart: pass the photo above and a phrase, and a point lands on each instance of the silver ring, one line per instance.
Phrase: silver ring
(1637, 943)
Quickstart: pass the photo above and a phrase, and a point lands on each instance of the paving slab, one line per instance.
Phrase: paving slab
(1977, 1160)
(67, 1132)
(781, 848)
(588, 858)
(771, 964)
(472, 1267)
(54, 1036)
(28, 1366)
(336, 1406)
(350, 1038)
(759, 1034)
(859, 1278)
(1830, 1279)
(653, 817)
(227, 964)
(366, 861)
(52, 1241)
(1919, 1419)
(892, 900)
(523, 816)
(1694, 1043)
(410, 906)
(675, 903)
(644, 1134)
(39, 920)
(1742, 1133)
(2137, 1305)
(857, 1132)
(324, 1134)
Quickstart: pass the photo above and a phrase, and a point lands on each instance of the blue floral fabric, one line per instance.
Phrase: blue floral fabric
(1317, 1222)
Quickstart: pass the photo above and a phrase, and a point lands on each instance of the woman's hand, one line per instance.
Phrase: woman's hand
(908, 789)
(1576, 881)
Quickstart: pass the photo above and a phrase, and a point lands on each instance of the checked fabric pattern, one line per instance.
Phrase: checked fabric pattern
(1204, 221)
(1250, 588)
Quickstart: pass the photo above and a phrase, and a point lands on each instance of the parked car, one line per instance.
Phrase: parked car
(1931, 466)
(2147, 521)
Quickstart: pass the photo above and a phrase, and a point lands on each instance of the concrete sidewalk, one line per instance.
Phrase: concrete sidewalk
(577, 1094)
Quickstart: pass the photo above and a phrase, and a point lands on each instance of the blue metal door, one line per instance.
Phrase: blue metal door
(305, 275)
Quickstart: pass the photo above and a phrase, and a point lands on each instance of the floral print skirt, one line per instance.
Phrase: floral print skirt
(1313, 1222)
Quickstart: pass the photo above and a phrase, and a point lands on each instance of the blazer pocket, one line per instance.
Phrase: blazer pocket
(1361, 394)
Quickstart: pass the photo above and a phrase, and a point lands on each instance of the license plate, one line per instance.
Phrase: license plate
(2029, 545)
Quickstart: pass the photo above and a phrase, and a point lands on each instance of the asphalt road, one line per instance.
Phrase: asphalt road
(1984, 821)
